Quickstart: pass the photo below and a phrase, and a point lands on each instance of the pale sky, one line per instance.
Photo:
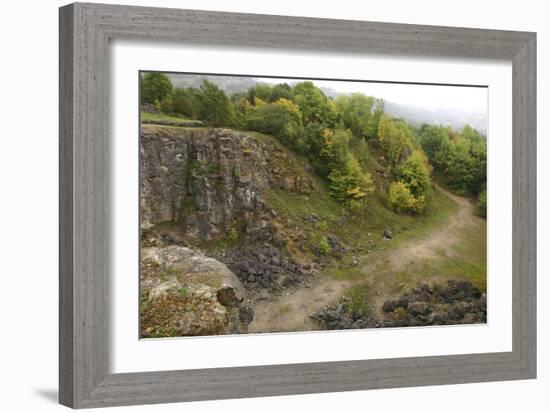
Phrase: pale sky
(424, 96)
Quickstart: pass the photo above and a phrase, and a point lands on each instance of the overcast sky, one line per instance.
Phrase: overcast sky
(425, 96)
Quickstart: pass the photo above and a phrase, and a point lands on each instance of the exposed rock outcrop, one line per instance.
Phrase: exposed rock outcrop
(184, 293)
(210, 181)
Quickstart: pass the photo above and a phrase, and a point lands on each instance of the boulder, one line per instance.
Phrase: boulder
(185, 293)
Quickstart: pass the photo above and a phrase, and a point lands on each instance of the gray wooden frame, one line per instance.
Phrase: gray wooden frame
(85, 31)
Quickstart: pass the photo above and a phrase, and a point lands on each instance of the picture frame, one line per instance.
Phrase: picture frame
(85, 33)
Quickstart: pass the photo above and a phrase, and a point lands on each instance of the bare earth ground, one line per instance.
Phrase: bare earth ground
(386, 272)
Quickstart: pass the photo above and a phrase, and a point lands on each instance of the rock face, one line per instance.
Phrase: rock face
(210, 181)
(458, 302)
(184, 293)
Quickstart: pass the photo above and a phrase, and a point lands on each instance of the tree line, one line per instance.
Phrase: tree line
(339, 136)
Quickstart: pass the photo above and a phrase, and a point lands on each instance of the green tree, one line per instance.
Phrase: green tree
(461, 157)
(361, 151)
(371, 130)
(281, 91)
(396, 140)
(436, 143)
(312, 102)
(214, 107)
(356, 112)
(350, 185)
(243, 109)
(155, 87)
(260, 90)
(281, 119)
(415, 174)
(181, 102)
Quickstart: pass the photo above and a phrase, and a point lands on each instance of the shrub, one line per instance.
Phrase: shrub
(402, 200)
(324, 247)
(400, 197)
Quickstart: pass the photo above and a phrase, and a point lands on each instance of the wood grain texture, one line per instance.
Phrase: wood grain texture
(85, 31)
(66, 229)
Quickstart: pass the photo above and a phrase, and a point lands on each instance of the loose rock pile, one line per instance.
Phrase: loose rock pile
(339, 316)
(457, 302)
(264, 266)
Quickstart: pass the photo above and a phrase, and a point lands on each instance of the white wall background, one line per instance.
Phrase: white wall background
(28, 205)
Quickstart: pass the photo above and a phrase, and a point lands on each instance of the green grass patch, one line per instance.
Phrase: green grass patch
(467, 259)
(153, 117)
(344, 271)
(358, 301)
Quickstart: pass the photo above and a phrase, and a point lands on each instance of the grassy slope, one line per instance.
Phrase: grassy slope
(362, 234)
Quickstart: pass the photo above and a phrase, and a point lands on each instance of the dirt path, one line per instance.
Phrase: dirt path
(441, 239)
(291, 312)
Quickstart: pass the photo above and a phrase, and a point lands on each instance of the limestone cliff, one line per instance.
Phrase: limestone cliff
(210, 181)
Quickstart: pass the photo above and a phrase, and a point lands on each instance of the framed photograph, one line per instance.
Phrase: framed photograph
(255, 205)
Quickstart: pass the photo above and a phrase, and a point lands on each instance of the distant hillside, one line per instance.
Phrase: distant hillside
(456, 119)
(416, 115)
(229, 84)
